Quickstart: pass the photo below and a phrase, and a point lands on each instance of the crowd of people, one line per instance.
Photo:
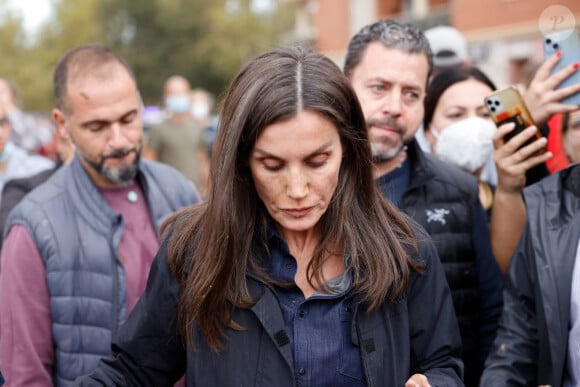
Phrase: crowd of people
(364, 226)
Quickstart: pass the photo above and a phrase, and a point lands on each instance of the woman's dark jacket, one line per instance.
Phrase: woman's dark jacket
(418, 334)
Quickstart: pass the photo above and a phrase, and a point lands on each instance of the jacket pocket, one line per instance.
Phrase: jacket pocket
(349, 358)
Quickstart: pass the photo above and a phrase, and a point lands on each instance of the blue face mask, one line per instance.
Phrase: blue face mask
(178, 104)
(8, 148)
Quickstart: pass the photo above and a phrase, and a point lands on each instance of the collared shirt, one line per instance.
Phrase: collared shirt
(319, 327)
(572, 375)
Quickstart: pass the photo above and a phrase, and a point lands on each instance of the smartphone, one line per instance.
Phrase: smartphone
(507, 105)
(568, 43)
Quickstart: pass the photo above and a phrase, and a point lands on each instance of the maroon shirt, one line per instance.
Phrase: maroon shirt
(26, 348)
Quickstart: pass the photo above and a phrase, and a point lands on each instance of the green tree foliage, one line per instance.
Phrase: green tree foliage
(15, 50)
(205, 41)
(201, 40)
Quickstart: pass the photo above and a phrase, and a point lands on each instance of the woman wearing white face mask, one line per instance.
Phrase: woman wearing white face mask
(457, 123)
(454, 98)
(468, 145)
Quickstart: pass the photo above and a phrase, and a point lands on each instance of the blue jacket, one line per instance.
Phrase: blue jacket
(417, 334)
(77, 235)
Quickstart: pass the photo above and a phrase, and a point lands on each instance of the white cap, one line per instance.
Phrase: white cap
(448, 45)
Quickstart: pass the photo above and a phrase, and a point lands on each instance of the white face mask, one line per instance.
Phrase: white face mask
(466, 143)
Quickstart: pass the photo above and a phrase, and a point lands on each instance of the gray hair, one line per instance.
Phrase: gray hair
(391, 34)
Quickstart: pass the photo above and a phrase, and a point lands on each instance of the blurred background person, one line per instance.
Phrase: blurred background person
(15, 189)
(449, 48)
(179, 140)
(202, 103)
(28, 132)
(202, 109)
(15, 162)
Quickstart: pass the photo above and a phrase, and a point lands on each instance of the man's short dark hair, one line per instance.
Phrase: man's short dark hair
(391, 34)
(93, 59)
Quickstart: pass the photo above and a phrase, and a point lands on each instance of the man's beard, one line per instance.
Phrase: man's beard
(380, 155)
(123, 175)
(381, 151)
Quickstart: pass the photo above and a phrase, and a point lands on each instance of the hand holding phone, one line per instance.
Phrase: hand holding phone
(567, 43)
(507, 105)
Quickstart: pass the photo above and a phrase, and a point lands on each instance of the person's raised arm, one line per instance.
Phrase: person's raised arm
(541, 97)
(508, 214)
(513, 160)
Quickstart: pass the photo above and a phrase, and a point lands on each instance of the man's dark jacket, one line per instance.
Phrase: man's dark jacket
(532, 339)
(442, 199)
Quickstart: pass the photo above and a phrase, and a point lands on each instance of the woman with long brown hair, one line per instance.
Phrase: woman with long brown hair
(295, 271)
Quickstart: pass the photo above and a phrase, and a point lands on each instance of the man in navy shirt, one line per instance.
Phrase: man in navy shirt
(389, 65)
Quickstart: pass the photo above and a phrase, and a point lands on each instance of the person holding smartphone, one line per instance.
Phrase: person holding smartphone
(514, 160)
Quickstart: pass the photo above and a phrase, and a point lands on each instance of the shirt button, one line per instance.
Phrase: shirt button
(302, 372)
(289, 265)
(302, 313)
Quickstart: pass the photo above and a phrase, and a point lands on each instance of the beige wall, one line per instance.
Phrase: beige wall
(332, 23)
(502, 34)
(493, 19)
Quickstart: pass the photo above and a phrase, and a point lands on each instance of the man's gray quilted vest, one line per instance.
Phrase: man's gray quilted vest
(77, 235)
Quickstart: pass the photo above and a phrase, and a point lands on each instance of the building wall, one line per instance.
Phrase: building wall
(504, 36)
(332, 25)
(493, 19)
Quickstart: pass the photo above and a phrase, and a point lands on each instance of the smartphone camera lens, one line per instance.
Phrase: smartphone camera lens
(548, 41)
(492, 109)
(556, 46)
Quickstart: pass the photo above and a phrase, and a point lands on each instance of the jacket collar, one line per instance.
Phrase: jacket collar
(420, 172)
(85, 195)
(269, 312)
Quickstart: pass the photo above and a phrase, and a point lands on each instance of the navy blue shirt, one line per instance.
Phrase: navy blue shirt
(319, 327)
(394, 184)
